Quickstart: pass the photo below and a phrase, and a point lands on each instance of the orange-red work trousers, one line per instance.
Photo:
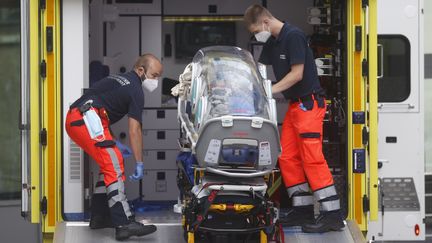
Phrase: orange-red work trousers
(110, 161)
(302, 159)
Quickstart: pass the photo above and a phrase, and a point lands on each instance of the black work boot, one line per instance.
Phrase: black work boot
(100, 222)
(326, 221)
(296, 216)
(133, 228)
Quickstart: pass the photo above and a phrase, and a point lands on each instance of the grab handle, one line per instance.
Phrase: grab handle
(381, 60)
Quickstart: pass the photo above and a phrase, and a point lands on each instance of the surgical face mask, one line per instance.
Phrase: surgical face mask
(263, 35)
(150, 84)
(94, 125)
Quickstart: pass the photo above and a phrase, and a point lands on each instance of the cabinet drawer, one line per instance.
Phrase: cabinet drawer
(160, 139)
(160, 119)
(160, 159)
(160, 185)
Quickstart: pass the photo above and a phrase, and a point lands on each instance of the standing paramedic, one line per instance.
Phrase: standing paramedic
(87, 124)
(302, 162)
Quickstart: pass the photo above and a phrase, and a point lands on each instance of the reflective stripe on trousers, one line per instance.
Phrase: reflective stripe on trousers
(304, 187)
(300, 195)
(302, 200)
(120, 196)
(327, 198)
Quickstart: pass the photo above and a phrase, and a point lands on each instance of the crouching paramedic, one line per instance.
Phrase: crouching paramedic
(302, 163)
(87, 124)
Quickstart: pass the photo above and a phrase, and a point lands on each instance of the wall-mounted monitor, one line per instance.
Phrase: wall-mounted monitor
(192, 36)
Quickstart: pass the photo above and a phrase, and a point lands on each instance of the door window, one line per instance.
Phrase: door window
(10, 175)
(394, 77)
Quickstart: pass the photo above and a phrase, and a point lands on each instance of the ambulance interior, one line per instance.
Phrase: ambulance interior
(121, 30)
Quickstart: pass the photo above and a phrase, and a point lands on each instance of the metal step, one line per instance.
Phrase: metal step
(170, 230)
(71, 232)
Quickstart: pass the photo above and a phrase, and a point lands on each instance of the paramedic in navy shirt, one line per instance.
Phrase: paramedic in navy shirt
(302, 163)
(112, 98)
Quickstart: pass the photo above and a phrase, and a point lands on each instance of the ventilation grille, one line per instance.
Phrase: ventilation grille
(75, 162)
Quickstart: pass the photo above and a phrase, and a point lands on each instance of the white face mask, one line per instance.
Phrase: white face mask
(150, 84)
(263, 36)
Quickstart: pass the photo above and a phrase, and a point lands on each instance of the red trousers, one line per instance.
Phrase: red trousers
(302, 159)
(109, 195)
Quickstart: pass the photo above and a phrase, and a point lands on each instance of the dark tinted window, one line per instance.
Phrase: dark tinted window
(394, 67)
(10, 176)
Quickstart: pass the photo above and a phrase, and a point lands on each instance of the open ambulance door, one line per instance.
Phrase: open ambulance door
(401, 122)
(362, 111)
(40, 119)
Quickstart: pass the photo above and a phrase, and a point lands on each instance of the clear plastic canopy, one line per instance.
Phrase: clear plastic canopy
(225, 81)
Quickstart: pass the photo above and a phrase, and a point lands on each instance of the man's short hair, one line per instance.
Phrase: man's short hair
(145, 61)
(254, 13)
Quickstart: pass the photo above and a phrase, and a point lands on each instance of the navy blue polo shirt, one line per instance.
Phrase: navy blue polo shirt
(119, 94)
(289, 48)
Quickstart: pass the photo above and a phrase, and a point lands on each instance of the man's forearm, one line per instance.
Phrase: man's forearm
(287, 82)
(136, 143)
(293, 77)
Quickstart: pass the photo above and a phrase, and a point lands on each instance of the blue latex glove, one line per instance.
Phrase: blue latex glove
(139, 172)
(124, 149)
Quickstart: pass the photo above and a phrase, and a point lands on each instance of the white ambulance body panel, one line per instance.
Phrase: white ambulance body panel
(400, 122)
